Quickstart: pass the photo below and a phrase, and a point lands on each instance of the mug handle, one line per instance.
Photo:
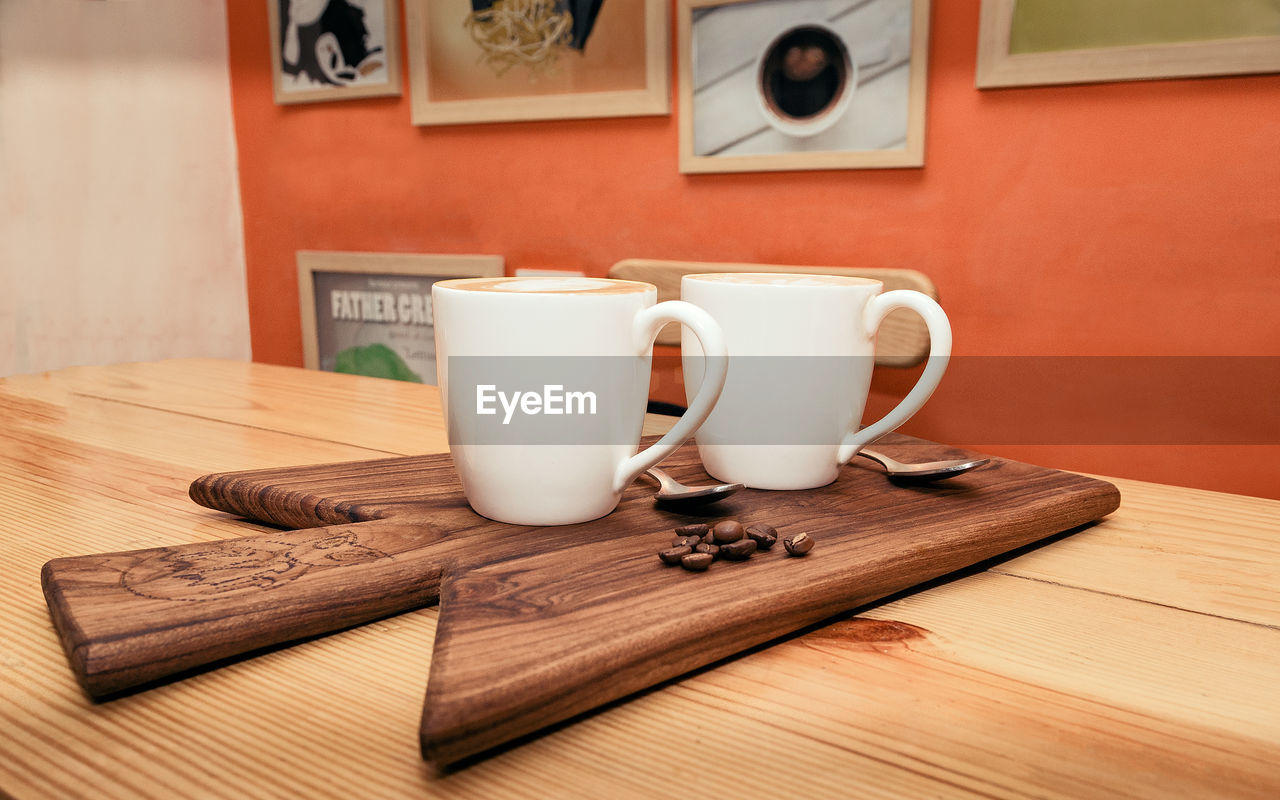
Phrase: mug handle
(644, 330)
(939, 356)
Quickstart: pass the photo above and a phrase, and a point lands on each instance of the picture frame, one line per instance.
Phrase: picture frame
(1009, 56)
(854, 99)
(370, 313)
(334, 49)
(612, 64)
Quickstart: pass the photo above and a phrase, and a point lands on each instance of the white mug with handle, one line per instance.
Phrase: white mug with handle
(801, 348)
(545, 382)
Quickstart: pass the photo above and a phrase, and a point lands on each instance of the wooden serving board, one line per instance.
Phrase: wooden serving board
(536, 625)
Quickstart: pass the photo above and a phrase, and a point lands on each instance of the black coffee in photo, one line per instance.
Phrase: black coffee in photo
(804, 73)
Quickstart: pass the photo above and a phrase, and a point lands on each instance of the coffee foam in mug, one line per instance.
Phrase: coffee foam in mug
(780, 279)
(546, 285)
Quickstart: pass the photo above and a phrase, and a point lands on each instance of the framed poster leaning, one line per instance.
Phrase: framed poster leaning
(370, 313)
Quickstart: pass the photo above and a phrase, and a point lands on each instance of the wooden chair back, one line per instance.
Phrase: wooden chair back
(903, 340)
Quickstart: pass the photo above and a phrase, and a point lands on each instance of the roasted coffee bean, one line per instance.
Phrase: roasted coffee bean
(697, 561)
(696, 529)
(697, 545)
(740, 550)
(674, 555)
(727, 531)
(799, 544)
(763, 535)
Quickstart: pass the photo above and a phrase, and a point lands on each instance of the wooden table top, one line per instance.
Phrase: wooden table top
(1137, 657)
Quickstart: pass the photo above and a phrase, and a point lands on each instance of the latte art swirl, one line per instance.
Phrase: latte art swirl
(556, 286)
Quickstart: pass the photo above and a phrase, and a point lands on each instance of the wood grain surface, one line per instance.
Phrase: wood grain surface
(1133, 658)
(538, 624)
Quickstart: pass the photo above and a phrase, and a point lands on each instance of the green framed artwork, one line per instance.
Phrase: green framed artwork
(1038, 42)
(370, 313)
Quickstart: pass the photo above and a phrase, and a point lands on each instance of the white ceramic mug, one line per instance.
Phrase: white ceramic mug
(801, 350)
(545, 383)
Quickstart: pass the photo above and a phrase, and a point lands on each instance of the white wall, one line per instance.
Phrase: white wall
(120, 227)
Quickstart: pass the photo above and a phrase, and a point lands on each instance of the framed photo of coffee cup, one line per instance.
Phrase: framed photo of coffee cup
(801, 84)
(515, 60)
(370, 313)
(1040, 42)
(334, 49)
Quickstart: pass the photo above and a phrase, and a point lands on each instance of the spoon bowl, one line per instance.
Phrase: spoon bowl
(672, 492)
(924, 471)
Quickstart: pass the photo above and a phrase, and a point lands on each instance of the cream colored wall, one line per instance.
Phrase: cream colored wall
(120, 225)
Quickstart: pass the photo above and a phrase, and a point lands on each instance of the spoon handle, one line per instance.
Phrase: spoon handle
(665, 482)
(879, 458)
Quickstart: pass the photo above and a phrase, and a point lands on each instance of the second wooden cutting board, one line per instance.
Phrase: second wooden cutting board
(536, 625)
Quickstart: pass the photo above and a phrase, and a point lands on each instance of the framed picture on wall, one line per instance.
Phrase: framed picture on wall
(800, 84)
(507, 60)
(370, 313)
(1038, 42)
(334, 49)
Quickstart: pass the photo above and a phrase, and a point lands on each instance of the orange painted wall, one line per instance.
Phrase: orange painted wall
(1138, 218)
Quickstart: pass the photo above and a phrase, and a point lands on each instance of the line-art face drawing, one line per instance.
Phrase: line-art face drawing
(327, 41)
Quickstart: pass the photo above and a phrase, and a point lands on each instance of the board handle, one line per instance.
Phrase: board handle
(131, 618)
